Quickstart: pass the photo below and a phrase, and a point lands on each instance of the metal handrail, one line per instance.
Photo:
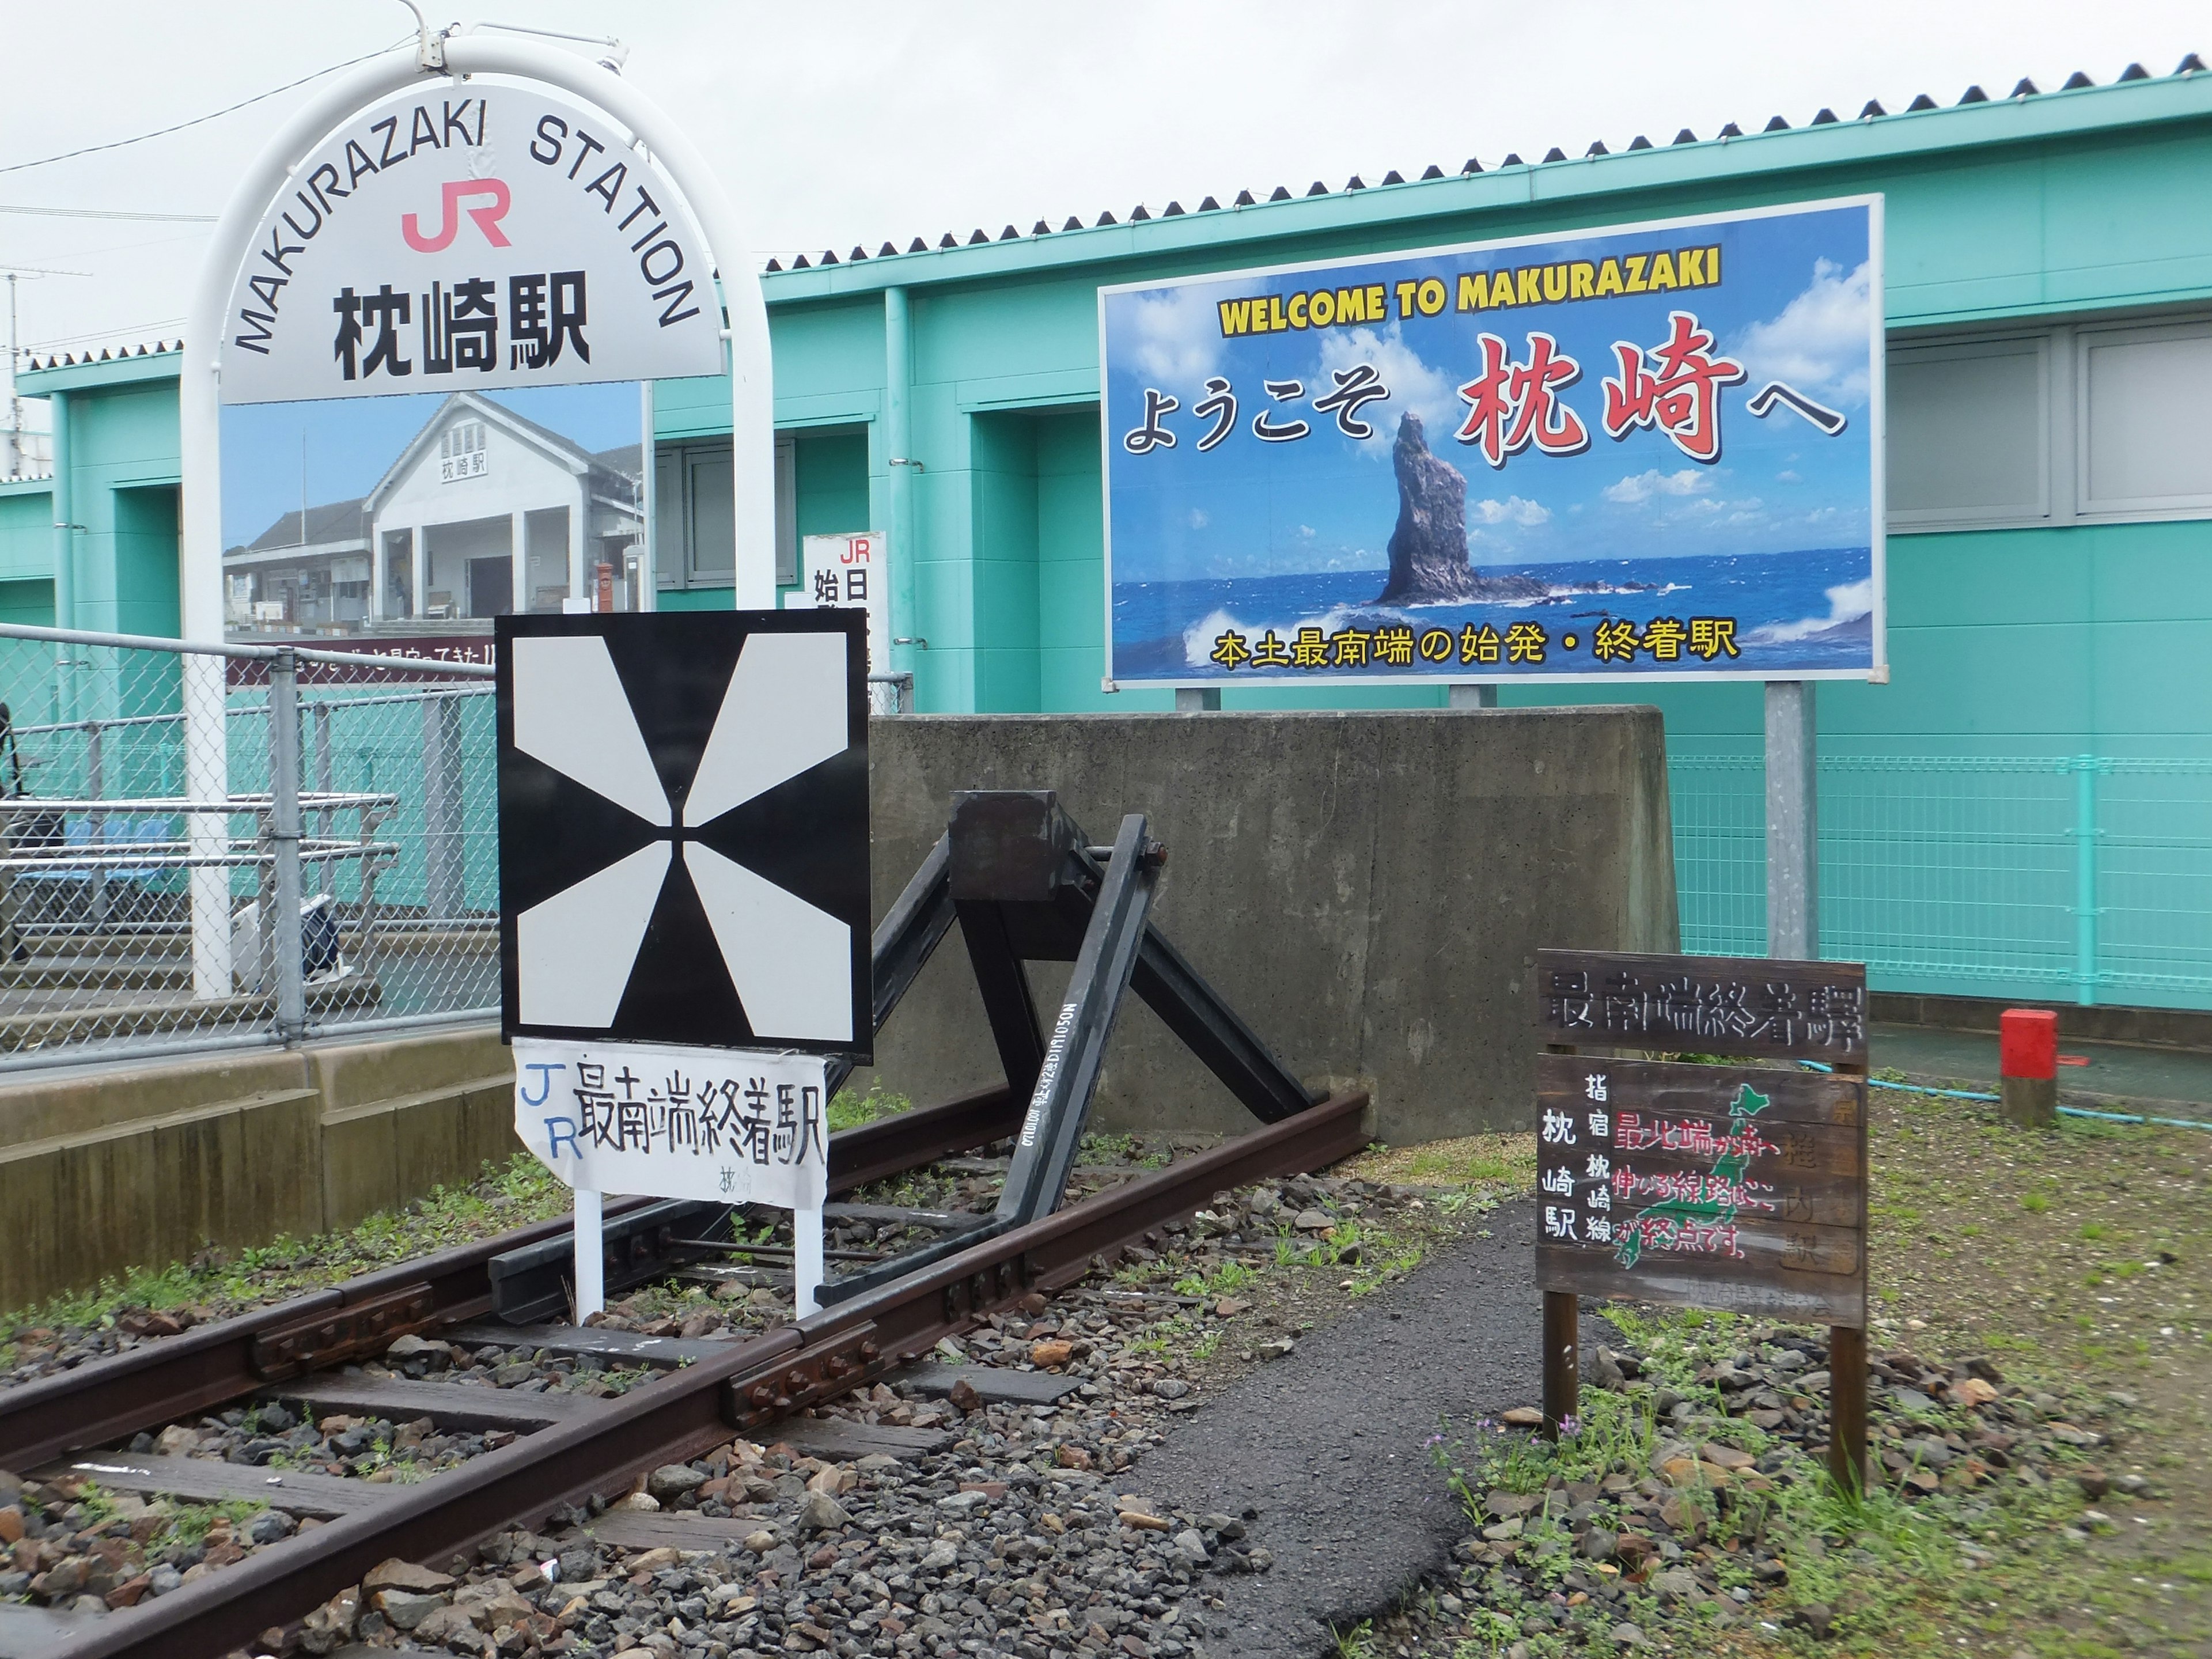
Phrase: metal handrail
(110, 805)
(245, 653)
(104, 723)
(69, 860)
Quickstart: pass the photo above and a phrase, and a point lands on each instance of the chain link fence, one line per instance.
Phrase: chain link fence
(205, 847)
(2080, 877)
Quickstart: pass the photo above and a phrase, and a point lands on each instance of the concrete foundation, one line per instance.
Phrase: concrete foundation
(138, 1166)
(1369, 890)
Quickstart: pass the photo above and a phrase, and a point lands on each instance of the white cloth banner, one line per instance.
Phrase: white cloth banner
(730, 1126)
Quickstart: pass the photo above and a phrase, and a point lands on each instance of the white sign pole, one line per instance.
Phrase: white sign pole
(729, 1126)
(806, 1260)
(199, 389)
(591, 1255)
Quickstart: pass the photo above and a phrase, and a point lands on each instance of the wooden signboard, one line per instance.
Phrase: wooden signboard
(1711, 1005)
(1718, 1185)
(1731, 1186)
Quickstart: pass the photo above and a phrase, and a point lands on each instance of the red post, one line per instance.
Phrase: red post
(2027, 1066)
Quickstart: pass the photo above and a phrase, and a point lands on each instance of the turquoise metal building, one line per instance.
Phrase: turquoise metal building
(2025, 807)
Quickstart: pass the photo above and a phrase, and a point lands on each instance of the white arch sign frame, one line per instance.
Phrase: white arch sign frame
(451, 57)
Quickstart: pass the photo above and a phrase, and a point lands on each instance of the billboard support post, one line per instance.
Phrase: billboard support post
(200, 399)
(1793, 828)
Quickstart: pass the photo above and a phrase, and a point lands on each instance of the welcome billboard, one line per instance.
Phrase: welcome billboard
(1647, 451)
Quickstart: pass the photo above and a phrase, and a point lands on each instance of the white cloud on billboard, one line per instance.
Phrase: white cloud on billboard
(1428, 393)
(1818, 344)
(1640, 487)
(1177, 339)
(1514, 509)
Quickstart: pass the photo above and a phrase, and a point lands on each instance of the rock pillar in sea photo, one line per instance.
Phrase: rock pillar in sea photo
(1428, 550)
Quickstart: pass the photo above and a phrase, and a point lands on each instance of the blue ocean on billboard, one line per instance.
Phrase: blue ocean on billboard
(1833, 629)
(1644, 452)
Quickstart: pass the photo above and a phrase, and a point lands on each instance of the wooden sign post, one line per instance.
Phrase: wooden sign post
(1739, 1187)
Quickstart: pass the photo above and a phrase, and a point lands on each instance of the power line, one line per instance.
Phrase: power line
(100, 334)
(198, 120)
(106, 213)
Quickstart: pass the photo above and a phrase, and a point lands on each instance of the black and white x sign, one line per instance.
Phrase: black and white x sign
(683, 829)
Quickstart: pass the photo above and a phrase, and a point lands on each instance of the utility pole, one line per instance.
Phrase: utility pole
(14, 401)
(15, 456)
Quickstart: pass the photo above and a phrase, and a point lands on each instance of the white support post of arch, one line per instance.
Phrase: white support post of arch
(199, 391)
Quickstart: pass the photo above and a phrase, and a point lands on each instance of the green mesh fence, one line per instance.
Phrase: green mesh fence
(2085, 878)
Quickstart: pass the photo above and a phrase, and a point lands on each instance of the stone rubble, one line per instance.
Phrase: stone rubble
(1029, 1536)
(1686, 1530)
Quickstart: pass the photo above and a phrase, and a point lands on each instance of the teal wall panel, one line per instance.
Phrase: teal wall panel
(691, 408)
(28, 601)
(1072, 564)
(26, 531)
(831, 480)
(146, 594)
(697, 598)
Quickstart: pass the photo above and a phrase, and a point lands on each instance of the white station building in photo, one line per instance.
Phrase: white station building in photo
(483, 514)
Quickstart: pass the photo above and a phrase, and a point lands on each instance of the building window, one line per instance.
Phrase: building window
(2075, 423)
(695, 527)
(1969, 432)
(2146, 436)
(461, 452)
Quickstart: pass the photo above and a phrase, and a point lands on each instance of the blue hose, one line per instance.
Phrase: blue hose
(2068, 1111)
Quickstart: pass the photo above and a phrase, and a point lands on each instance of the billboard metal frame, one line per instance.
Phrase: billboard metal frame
(1877, 673)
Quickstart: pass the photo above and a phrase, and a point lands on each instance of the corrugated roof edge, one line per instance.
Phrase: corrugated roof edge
(68, 372)
(2186, 94)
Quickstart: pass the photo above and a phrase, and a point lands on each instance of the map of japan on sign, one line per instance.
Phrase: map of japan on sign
(1723, 1187)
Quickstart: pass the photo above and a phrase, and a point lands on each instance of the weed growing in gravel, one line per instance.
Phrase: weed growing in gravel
(189, 1523)
(217, 1282)
(1357, 1643)
(1616, 1431)
(1224, 1281)
(849, 1110)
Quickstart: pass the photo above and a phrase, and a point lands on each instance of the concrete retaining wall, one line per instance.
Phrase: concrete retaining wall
(142, 1165)
(1368, 890)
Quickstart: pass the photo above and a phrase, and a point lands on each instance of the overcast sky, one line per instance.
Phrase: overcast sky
(858, 120)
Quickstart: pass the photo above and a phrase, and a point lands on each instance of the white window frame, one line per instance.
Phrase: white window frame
(1906, 521)
(2065, 424)
(2128, 508)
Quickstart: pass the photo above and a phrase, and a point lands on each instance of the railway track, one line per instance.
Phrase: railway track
(566, 1449)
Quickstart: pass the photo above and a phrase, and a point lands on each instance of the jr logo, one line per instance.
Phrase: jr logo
(455, 192)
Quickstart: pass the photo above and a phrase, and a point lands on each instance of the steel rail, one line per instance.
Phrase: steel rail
(178, 1377)
(694, 1409)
